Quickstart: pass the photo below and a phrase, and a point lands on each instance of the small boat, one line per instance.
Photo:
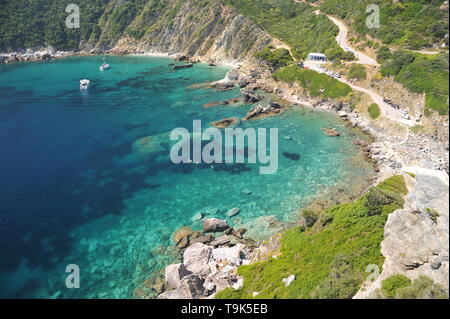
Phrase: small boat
(84, 84)
(104, 67)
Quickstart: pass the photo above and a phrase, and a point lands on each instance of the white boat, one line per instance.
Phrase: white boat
(84, 84)
(104, 67)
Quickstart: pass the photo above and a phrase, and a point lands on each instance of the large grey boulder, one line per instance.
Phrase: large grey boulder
(214, 225)
(174, 273)
(196, 258)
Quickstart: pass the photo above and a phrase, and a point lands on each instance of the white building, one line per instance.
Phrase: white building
(317, 57)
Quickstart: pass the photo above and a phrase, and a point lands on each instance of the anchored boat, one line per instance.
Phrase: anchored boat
(84, 84)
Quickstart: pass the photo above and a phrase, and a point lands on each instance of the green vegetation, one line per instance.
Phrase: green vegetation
(38, 22)
(401, 287)
(329, 259)
(357, 72)
(296, 24)
(275, 57)
(391, 284)
(422, 288)
(318, 84)
(419, 73)
(411, 24)
(374, 111)
(411, 174)
(433, 214)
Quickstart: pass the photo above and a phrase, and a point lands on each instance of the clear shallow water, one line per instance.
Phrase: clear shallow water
(71, 191)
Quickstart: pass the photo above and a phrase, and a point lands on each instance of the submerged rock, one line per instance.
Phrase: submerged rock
(291, 156)
(225, 123)
(150, 146)
(331, 132)
(263, 227)
(197, 217)
(181, 233)
(233, 212)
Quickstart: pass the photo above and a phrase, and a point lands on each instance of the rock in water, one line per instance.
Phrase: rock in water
(197, 217)
(331, 132)
(150, 146)
(232, 212)
(181, 233)
(225, 123)
(291, 156)
(214, 225)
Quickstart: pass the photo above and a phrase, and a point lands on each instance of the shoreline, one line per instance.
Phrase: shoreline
(385, 150)
(50, 54)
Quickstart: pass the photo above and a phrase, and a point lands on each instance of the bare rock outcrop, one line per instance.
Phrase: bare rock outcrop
(174, 274)
(196, 258)
(417, 237)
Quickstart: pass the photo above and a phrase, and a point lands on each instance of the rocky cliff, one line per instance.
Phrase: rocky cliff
(208, 30)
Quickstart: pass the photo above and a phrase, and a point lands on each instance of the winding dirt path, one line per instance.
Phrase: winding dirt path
(342, 39)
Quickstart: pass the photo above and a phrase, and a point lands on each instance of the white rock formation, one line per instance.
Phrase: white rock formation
(417, 237)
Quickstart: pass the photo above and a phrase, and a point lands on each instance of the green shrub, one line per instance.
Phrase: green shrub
(374, 111)
(433, 214)
(275, 57)
(357, 72)
(328, 261)
(390, 285)
(342, 282)
(420, 73)
(229, 293)
(422, 288)
(308, 218)
(411, 24)
(295, 24)
(318, 84)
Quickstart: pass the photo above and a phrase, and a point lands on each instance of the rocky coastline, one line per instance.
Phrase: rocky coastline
(395, 151)
(210, 263)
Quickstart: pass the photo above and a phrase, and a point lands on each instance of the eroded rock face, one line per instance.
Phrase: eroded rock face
(174, 274)
(417, 237)
(230, 38)
(196, 258)
(191, 287)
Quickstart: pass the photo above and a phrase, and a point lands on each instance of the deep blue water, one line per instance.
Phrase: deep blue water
(73, 191)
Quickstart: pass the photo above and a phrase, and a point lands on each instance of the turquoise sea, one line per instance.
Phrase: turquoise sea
(74, 191)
